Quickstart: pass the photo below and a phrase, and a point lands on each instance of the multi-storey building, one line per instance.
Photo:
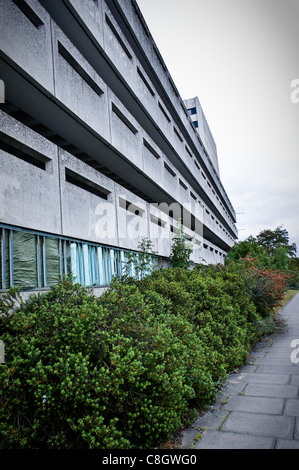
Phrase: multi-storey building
(97, 147)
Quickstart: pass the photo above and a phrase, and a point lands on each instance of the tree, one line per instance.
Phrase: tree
(181, 250)
(141, 262)
(270, 240)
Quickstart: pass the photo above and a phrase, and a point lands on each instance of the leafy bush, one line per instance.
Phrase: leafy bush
(217, 303)
(122, 370)
(265, 286)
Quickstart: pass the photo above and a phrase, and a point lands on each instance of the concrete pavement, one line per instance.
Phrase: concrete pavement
(258, 407)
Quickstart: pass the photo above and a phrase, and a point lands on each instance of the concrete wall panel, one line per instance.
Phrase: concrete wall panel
(27, 44)
(78, 86)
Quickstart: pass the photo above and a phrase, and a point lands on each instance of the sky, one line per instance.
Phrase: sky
(240, 58)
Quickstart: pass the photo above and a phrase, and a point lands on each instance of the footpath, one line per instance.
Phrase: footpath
(258, 407)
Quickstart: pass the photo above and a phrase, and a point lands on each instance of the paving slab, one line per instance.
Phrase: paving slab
(286, 444)
(260, 424)
(273, 390)
(276, 369)
(228, 440)
(275, 379)
(278, 361)
(294, 380)
(255, 404)
(212, 420)
(291, 408)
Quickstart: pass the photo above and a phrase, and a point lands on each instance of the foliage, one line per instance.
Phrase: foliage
(122, 370)
(180, 250)
(273, 239)
(266, 287)
(140, 263)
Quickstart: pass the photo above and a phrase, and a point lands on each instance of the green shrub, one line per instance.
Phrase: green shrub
(217, 303)
(122, 370)
(81, 372)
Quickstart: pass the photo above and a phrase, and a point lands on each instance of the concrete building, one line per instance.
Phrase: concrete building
(97, 147)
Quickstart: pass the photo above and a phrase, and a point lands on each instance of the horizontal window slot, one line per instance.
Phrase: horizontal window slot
(151, 149)
(28, 12)
(145, 82)
(193, 195)
(20, 150)
(177, 134)
(86, 184)
(182, 184)
(159, 58)
(184, 109)
(79, 69)
(130, 207)
(117, 36)
(173, 87)
(164, 112)
(196, 164)
(139, 16)
(124, 119)
(157, 221)
(167, 167)
(188, 151)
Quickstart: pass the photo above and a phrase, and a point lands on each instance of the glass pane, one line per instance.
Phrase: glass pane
(24, 259)
(52, 261)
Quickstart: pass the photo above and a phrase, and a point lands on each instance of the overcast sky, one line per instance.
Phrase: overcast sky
(239, 57)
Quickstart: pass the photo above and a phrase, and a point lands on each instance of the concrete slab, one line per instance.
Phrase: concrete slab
(228, 440)
(277, 369)
(279, 379)
(291, 408)
(255, 404)
(260, 424)
(188, 437)
(211, 420)
(273, 390)
(286, 444)
(274, 360)
(294, 380)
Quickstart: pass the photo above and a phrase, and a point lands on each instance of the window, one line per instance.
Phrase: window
(29, 13)
(164, 112)
(124, 119)
(145, 81)
(191, 111)
(31, 260)
(23, 152)
(117, 36)
(151, 149)
(79, 69)
(195, 124)
(167, 167)
(84, 183)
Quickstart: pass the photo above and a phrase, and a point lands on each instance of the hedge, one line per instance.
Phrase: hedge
(122, 370)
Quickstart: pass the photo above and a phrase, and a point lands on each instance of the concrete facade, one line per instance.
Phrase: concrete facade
(96, 144)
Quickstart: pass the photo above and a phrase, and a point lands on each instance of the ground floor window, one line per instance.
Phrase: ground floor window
(31, 260)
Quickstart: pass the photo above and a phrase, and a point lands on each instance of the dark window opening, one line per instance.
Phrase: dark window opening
(29, 13)
(19, 150)
(84, 183)
(191, 111)
(79, 69)
(117, 36)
